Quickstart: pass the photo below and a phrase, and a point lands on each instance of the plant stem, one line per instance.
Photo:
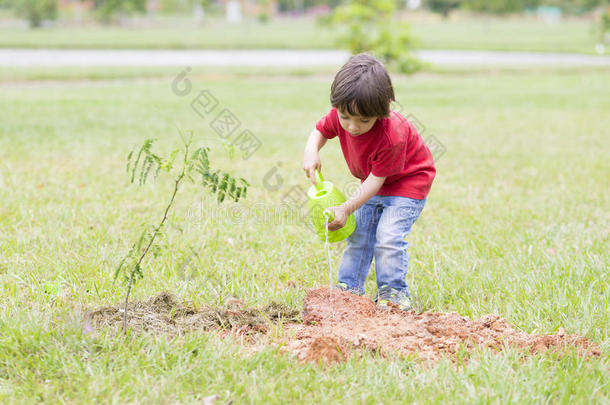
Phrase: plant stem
(154, 235)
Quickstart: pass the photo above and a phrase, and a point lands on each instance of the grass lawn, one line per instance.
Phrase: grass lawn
(517, 224)
(303, 33)
(507, 35)
(214, 34)
(140, 73)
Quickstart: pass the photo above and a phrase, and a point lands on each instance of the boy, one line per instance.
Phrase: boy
(396, 170)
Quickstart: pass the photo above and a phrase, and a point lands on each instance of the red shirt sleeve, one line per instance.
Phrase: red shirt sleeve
(327, 125)
(389, 161)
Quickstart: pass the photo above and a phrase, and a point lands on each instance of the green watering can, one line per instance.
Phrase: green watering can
(323, 195)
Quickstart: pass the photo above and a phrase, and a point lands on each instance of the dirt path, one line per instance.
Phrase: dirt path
(275, 57)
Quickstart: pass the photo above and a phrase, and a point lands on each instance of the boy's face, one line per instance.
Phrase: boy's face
(355, 124)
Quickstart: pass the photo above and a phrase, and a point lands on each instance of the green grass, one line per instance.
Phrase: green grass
(516, 224)
(575, 36)
(92, 73)
(214, 34)
(283, 33)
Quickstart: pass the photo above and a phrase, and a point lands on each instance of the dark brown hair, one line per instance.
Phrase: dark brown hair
(362, 87)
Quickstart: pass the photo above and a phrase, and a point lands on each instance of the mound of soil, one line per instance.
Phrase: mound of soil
(334, 327)
(165, 313)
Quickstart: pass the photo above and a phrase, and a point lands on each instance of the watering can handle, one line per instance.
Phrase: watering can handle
(319, 180)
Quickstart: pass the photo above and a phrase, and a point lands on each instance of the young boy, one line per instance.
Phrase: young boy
(396, 170)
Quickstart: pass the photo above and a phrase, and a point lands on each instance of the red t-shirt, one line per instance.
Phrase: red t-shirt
(392, 148)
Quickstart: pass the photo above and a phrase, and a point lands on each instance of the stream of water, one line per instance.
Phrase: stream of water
(330, 268)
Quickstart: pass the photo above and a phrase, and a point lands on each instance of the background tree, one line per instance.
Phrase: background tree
(517, 6)
(110, 10)
(604, 26)
(443, 7)
(372, 28)
(302, 5)
(574, 6)
(36, 11)
(499, 6)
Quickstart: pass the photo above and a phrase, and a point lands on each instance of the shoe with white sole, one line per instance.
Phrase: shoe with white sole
(387, 294)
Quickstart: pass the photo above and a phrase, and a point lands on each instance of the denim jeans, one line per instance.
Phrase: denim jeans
(381, 227)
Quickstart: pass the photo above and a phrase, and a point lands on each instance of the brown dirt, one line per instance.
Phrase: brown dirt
(332, 331)
(329, 333)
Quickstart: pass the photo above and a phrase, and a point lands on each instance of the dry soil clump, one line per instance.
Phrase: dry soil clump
(331, 330)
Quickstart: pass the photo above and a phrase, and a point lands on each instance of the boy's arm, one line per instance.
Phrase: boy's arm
(316, 140)
(369, 187)
(311, 158)
(365, 191)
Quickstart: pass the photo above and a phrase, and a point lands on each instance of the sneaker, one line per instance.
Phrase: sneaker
(387, 294)
(344, 287)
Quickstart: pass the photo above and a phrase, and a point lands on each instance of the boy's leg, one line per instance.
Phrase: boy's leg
(358, 253)
(391, 257)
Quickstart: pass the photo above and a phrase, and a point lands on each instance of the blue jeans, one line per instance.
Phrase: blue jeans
(381, 227)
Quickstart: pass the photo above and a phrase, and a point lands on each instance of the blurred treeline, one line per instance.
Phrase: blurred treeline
(573, 7)
(108, 11)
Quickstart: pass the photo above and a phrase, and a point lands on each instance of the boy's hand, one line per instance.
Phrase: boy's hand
(311, 163)
(340, 219)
